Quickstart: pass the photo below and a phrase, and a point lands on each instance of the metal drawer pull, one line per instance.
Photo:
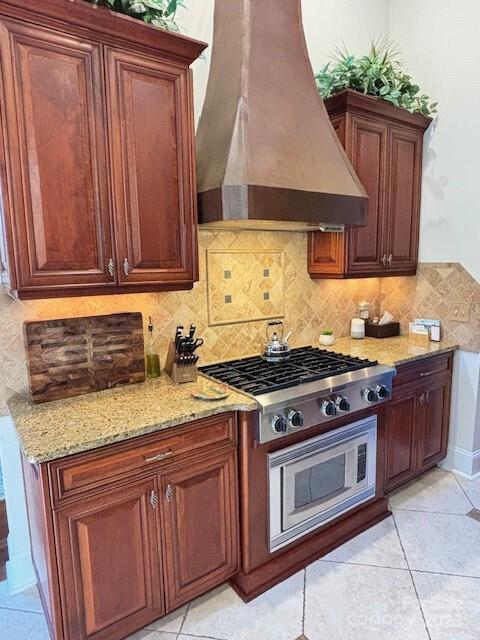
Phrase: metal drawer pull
(126, 267)
(159, 456)
(111, 267)
(169, 491)
(389, 260)
(384, 259)
(153, 499)
(424, 374)
(421, 400)
(427, 396)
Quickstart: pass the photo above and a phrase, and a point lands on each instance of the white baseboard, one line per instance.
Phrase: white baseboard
(466, 463)
(20, 573)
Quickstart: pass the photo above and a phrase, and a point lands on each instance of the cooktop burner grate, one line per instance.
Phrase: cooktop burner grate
(256, 376)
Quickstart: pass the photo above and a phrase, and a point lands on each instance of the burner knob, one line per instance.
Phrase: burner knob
(328, 408)
(342, 403)
(295, 418)
(370, 395)
(382, 391)
(279, 424)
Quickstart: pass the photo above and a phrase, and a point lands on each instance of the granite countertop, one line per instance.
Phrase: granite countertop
(391, 351)
(60, 428)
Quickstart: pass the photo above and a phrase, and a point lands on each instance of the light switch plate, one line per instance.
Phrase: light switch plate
(459, 312)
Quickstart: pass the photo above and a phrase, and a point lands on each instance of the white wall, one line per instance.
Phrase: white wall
(439, 39)
(326, 24)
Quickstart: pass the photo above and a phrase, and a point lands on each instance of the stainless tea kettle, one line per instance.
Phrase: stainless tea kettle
(276, 348)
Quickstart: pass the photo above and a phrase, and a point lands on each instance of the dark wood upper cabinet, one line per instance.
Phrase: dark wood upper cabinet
(98, 176)
(153, 175)
(55, 135)
(384, 144)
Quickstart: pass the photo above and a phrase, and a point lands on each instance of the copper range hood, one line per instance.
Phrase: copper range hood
(267, 154)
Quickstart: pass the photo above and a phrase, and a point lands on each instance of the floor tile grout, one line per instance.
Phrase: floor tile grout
(411, 578)
(38, 613)
(183, 620)
(462, 488)
(439, 513)
(364, 564)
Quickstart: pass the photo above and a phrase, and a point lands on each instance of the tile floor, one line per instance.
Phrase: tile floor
(415, 576)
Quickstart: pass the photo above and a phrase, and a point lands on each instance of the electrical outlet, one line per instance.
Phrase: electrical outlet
(459, 312)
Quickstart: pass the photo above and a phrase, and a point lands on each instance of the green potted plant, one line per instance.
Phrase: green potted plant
(160, 13)
(380, 73)
(327, 338)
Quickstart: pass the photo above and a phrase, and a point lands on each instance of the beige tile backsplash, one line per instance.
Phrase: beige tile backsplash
(439, 290)
(310, 305)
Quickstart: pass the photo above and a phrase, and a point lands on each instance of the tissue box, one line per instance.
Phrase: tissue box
(373, 330)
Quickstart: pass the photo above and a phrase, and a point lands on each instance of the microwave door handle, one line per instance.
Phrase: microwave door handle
(351, 458)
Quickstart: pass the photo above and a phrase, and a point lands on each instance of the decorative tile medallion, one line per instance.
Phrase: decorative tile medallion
(244, 286)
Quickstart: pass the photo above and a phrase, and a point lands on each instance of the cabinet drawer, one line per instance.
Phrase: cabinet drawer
(79, 473)
(422, 370)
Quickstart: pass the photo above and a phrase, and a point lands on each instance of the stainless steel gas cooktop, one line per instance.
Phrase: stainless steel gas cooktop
(311, 387)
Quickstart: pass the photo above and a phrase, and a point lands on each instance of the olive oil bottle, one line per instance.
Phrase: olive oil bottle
(152, 359)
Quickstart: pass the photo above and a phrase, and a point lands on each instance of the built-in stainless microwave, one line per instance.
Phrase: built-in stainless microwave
(317, 480)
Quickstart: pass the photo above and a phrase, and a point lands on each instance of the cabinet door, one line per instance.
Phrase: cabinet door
(367, 149)
(151, 132)
(434, 438)
(56, 157)
(405, 162)
(201, 530)
(109, 559)
(402, 437)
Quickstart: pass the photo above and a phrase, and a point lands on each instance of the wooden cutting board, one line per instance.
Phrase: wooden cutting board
(72, 356)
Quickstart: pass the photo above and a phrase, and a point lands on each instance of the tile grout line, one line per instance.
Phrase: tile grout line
(183, 621)
(37, 613)
(411, 578)
(462, 488)
(381, 566)
(440, 513)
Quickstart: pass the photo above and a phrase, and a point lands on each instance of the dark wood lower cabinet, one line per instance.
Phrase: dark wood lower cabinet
(107, 549)
(401, 455)
(116, 551)
(418, 419)
(200, 518)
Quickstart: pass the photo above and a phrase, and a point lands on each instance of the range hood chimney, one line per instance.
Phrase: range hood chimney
(267, 154)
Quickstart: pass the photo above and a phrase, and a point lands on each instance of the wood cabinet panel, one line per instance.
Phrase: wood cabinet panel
(56, 138)
(152, 169)
(402, 444)
(434, 438)
(405, 152)
(201, 532)
(368, 153)
(108, 554)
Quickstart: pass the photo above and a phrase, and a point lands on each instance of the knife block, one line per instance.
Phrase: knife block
(179, 373)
